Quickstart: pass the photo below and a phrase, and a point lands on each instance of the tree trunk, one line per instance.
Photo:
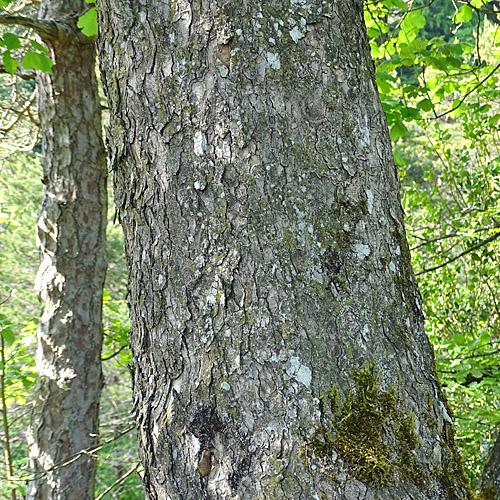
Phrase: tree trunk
(71, 238)
(278, 342)
(489, 481)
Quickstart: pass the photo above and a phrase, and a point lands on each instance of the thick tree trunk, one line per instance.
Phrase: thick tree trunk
(277, 333)
(71, 237)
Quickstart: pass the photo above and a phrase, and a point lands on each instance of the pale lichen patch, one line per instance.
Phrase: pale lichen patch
(362, 250)
(301, 373)
(273, 60)
(296, 34)
(200, 143)
(369, 197)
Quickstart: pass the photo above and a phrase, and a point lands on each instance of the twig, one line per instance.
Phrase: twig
(440, 237)
(461, 254)
(119, 481)
(87, 451)
(432, 240)
(468, 93)
(112, 355)
(470, 356)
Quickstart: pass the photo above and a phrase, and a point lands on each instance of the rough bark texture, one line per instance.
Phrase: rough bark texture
(71, 238)
(489, 482)
(277, 333)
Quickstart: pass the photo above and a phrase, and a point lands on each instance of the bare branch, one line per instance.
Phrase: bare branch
(461, 254)
(468, 93)
(112, 355)
(119, 481)
(88, 451)
(425, 241)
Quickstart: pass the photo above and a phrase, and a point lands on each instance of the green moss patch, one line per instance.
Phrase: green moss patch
(355, 429)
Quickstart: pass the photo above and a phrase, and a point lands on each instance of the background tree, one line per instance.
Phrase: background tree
(277, 333)
(71, 236)
(19, 182)
(489, 484)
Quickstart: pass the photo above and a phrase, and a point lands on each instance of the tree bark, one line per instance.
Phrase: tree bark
(71, 238)
(278, 342)
(489, 481)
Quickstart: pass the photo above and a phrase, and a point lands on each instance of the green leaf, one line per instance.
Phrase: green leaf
(112, 308)
(401, 162)
(425, 105)
(373, 32)
(398, 130)
(9, 63)
(88, 22)
(27, 383)
(11, 41)
(409, 113)
(36, 60)
(464, 14)
(8, 335)
(411, 25)
(38, 46)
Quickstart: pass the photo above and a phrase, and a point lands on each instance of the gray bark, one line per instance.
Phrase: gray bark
(278, 342)
(71, 238)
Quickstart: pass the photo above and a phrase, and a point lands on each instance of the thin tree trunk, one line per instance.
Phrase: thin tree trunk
(489, 481)
(71, 238)
(9, 469)
(278, 342)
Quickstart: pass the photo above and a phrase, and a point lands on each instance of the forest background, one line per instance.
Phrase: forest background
(437, 70)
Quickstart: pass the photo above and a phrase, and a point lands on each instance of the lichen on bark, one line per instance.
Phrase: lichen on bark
(259, 200)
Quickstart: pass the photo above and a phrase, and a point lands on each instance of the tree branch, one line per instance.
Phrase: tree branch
(467, 94)
(88, 451)
(119, 481)
(425, 241)
(470, 356)
(112, 355)
(46, 29)
(461, 254)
